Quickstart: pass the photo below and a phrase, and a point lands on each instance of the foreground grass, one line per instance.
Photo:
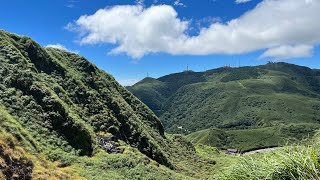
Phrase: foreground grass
(291, 162)
(223, 161)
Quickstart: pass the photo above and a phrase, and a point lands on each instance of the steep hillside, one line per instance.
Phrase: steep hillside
(61, 117)
(64, 95)
(234, 98)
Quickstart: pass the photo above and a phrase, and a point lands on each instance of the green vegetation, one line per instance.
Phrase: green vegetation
(58, 94)
(251, 139)
(55, 107)
(245, 108)
(234, 98)
(292, 162)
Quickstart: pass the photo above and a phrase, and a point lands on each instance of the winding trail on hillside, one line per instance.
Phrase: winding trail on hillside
(243, 87)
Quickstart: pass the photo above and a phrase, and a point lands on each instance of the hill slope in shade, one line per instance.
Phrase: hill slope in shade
(233, 98)
(60, 114)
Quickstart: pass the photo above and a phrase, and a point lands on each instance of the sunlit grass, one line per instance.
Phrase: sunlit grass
(291, 162)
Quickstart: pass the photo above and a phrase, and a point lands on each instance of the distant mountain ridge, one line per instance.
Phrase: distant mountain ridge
(233, 98)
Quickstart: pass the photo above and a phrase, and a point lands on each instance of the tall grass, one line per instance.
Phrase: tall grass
(292, 162)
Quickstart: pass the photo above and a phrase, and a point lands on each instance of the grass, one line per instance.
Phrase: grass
(250, 139)
(132, 164)
(290, 162)
(223, 161)
(297, 162)
(20, 147)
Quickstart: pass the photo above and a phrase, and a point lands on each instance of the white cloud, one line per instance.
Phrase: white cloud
(61, 47)
(287, 52)
(242, 1)
(137, 31)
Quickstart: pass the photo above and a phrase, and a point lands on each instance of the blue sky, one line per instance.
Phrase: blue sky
(129, 39)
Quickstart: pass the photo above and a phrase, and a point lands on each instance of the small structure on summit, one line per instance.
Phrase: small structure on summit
(188, 70)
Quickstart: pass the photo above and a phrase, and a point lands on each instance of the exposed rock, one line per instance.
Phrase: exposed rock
(15, 168)
(108, 145)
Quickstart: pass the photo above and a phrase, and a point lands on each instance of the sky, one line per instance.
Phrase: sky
(133, 39)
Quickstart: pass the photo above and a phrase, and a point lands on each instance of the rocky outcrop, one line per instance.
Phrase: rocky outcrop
(109, 146)
(14, 167)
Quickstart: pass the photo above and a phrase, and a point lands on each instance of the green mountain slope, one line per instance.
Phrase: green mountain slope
(61, 117)
(234, 98)
(250, 139)
(71, 98)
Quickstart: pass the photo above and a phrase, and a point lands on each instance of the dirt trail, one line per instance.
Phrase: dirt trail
(261, 151)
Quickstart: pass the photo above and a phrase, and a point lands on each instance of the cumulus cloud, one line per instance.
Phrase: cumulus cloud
(61, 47)
(137, 31)
(287, 52)
(242, 1)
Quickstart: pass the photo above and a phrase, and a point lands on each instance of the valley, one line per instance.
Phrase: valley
(244, 108)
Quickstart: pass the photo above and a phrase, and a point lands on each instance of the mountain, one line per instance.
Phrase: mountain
(234, 98)
(61, 117)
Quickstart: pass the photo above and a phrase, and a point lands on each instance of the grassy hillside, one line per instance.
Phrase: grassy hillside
(291, 162)
(234, 98)
(250, 139)
(63, 118)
